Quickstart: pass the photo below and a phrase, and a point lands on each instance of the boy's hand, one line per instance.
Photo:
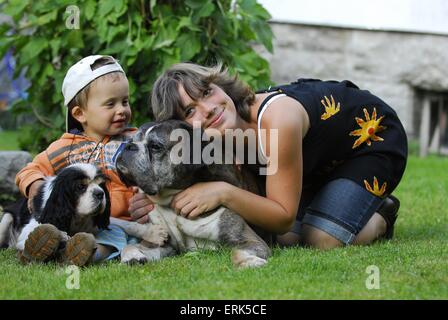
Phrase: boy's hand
(32, 191)
(140, 206)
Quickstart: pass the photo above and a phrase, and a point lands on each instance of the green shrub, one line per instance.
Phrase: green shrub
(145, 36)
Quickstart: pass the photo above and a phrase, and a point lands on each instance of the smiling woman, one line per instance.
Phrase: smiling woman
(188, 83)
(336, 145)
(214, 109)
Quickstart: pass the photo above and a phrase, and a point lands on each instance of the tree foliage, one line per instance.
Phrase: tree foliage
(145, 36)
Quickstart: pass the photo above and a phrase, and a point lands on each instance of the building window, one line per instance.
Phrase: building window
(434, 123)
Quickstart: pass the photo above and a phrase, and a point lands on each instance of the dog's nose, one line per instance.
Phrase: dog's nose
(98, 194)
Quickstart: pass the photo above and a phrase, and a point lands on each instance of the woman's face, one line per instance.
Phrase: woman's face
(214, 110)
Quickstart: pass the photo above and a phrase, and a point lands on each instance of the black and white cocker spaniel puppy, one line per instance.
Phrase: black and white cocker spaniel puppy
(75, 200)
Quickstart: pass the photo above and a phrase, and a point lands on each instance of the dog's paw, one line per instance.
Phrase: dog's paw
(156, 234)
(252, 262)
(244, 259)
(64, 236)
(133, 256)
(135, 260)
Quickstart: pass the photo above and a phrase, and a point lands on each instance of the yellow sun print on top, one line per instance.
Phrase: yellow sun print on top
(368, 130)
(330, 107)
(376, 190)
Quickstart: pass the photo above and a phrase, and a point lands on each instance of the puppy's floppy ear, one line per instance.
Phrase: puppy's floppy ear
(103, 219)
(58, 209)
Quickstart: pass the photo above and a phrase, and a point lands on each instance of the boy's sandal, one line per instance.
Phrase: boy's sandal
(389, 211)
(79, 249)
(41, 245)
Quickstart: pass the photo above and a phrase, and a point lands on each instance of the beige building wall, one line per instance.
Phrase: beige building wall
(395, 66)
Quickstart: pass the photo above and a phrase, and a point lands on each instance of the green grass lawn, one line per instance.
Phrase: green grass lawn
(414, 265)
(8, 140)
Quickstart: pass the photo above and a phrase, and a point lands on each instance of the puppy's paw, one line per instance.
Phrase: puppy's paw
(156, 234)
(64, 236)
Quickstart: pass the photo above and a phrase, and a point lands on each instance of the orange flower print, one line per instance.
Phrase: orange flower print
(368, 130)
(376, 190)
(330, 107)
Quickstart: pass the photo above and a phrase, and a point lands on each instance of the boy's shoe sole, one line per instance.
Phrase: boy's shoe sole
(389, 211)
(79, 249)
(41, 245)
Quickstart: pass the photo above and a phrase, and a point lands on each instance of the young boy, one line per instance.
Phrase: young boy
(96, 92)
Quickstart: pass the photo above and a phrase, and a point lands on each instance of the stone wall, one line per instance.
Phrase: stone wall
(392, 65)
(11, 162)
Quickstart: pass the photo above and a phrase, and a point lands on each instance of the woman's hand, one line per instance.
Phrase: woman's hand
(139, 207)
(199, 198)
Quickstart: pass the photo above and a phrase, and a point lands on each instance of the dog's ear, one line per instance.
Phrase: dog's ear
(188, 140)
(140, 134)
(58, 209)
(103, 219)
(37, 202)
(196, 133)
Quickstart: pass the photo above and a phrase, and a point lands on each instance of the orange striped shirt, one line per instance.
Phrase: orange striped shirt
(77, 148)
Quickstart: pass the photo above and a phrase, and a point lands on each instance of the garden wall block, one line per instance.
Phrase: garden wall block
(11, 162)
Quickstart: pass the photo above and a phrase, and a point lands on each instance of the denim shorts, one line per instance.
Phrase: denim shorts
(340, 208)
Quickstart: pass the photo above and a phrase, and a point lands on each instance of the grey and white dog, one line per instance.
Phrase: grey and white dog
(145, 162)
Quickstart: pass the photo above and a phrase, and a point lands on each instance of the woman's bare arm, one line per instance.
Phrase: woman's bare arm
(276, 212)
